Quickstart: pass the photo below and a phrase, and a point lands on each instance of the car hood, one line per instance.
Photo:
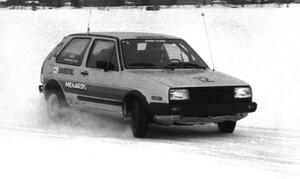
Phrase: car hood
(189, 78)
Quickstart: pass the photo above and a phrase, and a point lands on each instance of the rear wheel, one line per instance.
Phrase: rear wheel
(139, 119)
(56, 104)
(227, 126)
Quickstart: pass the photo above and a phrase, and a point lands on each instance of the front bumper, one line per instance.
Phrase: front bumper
(201, 110)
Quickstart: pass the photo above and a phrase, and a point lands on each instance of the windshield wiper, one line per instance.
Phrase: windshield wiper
(185, 65)
(168, 67)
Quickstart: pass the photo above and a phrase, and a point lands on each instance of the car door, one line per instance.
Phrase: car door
(102, 73)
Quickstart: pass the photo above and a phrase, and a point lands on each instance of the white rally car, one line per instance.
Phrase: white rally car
(150, 78)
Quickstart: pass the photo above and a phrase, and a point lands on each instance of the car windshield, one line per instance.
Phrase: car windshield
(160, 54)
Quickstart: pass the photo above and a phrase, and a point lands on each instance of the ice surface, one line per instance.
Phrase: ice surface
(258, 45)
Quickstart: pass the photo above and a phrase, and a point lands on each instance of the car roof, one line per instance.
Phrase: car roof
(128, 35)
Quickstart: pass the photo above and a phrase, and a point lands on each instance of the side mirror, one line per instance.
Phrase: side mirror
(105, 65)
(101, 65)
(110, 67)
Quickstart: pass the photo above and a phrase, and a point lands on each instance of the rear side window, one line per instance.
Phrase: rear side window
(54, 51)
(73, 53)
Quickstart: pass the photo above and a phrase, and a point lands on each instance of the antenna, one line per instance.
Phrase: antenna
(88, 27)
(209, 46)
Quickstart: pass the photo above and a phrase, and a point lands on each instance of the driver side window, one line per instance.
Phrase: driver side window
(103, 55)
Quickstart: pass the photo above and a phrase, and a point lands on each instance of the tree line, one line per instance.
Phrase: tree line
(79, 3)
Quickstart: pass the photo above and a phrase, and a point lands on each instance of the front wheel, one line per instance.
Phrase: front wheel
(227, 126)
(139, 119)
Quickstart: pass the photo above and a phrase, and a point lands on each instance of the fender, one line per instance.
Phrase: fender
(129, 96)
(50, 84)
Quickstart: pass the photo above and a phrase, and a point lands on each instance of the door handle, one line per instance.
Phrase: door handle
(84, 73)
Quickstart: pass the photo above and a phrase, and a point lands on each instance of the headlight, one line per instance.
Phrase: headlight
(179, 94)
(242, 92)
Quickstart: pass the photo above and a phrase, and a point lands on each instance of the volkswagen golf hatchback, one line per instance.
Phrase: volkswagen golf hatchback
(149, 78)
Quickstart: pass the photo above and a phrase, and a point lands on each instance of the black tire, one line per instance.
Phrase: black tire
(227, 126)
(56, 104)
(139, 119)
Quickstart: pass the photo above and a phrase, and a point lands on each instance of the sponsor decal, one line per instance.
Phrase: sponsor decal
(66, 71)
(73, 85)
(155, 40)
(71, 60)
(55, 70)
(203, 79)
(157, 98)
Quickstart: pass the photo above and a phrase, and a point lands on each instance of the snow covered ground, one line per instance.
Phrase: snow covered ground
(258, 45)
